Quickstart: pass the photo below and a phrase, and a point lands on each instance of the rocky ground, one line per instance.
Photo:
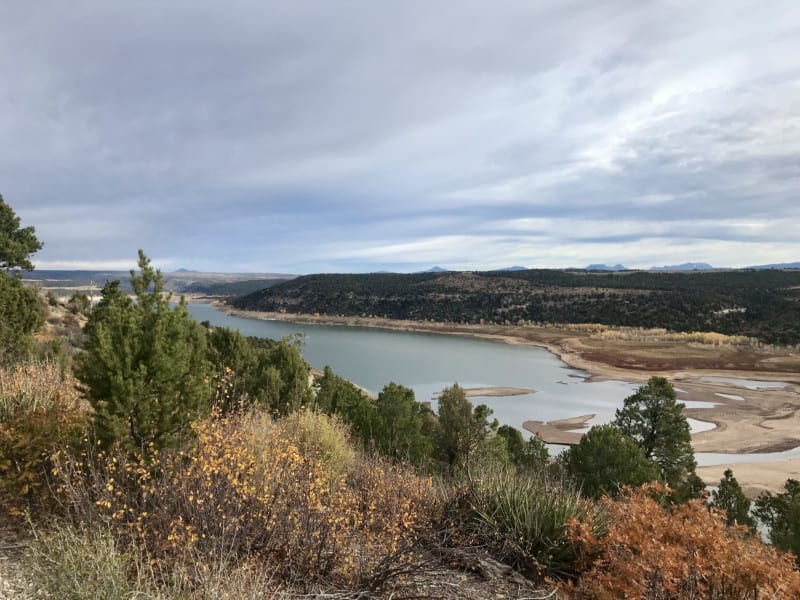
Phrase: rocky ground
(12, 581)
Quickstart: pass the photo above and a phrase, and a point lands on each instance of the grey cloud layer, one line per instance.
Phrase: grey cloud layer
(356, 135)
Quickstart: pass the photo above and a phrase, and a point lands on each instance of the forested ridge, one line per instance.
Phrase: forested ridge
(763, 304)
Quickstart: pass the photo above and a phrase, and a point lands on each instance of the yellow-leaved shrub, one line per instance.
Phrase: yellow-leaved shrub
(290, 494)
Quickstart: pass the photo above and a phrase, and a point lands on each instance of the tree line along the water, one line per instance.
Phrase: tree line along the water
(172, 448)
(763, 304)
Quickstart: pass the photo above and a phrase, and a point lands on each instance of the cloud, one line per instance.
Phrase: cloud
(360, 136)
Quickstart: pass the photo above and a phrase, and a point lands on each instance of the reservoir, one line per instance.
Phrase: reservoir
(427, 363)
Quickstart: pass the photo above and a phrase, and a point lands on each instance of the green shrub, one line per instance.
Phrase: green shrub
(336, 395)
(462, 427)
(606, 460)
(400, 426)
(79, 304)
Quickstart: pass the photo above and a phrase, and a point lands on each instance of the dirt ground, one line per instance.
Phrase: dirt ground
(763, 420)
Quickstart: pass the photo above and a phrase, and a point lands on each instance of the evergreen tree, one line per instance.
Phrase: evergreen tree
(144, 367)
(781, 515)
(606, 459)
(338, 396)
(731, 498)
(529, 454)
(259, 371)
(294, 389)
(21, 312)
(400, 425)
(462, 427)
(234, 361)
(655, 421)
(16, 243)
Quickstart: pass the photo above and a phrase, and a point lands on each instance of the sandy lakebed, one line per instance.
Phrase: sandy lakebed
(751, 394)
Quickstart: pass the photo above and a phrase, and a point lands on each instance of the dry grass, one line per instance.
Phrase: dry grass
(27, 387)
(703, 338)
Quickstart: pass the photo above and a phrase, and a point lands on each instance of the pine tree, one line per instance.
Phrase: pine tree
(462, 427)
(400, 423)
(530, 454)
(20, 310)
(20, 315)
(144, 367)
(337, 396)
(731, 498)
(780, 513)
(293, 388)
(655, 421)
(16, 243)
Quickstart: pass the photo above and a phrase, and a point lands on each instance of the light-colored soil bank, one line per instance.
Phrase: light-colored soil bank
(763, 420)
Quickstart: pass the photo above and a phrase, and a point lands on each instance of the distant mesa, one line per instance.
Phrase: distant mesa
(790, 265)
(606, 268)
(690, 266)
(183, 271)
(514, 268)
(436, 269)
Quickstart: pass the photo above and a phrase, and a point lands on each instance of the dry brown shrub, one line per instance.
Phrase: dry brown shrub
(40, 413)
(675, 552)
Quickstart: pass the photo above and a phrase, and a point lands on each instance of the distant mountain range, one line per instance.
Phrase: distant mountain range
(438, 269)
(791, 265)
(601, 267)
(693, 266)
(689, 266)
(683, 267)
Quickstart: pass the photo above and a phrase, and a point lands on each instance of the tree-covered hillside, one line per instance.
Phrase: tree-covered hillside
(759, 303)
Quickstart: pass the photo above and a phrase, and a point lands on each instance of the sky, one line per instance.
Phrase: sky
(356, 136)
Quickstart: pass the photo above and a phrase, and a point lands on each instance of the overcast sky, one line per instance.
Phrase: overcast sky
(346, 136)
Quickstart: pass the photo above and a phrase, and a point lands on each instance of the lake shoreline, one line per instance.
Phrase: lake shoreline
(563, 348)
(762, 421)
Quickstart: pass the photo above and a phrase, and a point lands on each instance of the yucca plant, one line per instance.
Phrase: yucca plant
(524, 517)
